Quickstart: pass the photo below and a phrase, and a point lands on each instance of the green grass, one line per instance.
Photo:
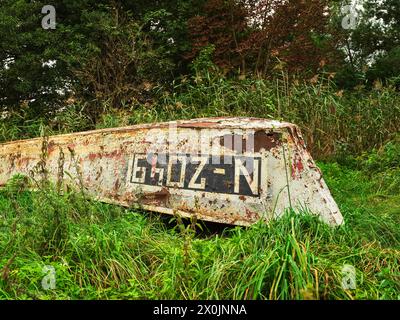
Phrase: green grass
(104, 251)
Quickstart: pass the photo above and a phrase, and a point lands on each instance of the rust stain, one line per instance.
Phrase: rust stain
(161, 196)
(182, 143)
(212, 215)
(261, 140)
(14, 157)
(266, 141)
(297, 166)
(98, 173)
(51, 146)
(116, 185)
(252, 216)
(24, 161)
(129, 198)
(92, 156)
(109, 155)
(203, 124)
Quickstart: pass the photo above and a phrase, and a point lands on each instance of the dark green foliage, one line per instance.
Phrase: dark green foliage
(376, 40)
(24, 48)
(99, 53)
(386, 68)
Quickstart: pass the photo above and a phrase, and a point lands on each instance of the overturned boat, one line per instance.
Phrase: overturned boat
(227, 170)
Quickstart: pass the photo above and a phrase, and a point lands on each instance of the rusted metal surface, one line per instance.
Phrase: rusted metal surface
(229, 170)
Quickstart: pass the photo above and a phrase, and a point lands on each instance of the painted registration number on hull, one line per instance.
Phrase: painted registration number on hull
(239, 175)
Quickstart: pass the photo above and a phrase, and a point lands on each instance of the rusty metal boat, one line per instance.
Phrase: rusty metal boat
(227, 170)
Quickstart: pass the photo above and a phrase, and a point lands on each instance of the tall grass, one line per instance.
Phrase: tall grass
(335, 123)
(104, 251)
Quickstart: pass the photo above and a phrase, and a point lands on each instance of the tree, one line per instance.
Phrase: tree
(31, 72)
(255, 35)
(375, 42)
(117, 63)
(100, 51)
(222, 25)
(298, 34)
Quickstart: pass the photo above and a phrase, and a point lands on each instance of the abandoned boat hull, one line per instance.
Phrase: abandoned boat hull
(227, 170)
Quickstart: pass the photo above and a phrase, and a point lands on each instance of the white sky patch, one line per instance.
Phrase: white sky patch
(49, 63)
(7, 62)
